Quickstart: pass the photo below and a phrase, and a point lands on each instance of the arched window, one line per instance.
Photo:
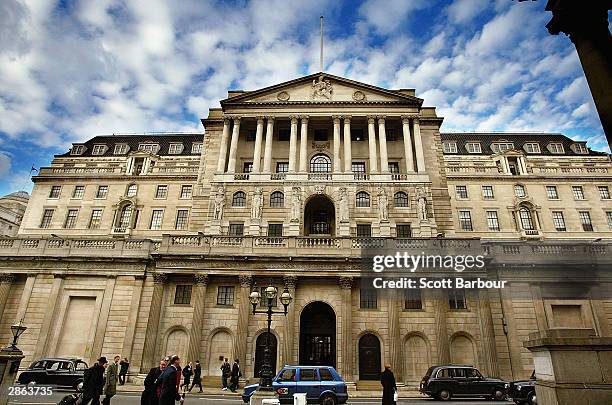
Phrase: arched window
(519, 190)
(362, 199)
(277, 199)
(125, 217)
(131, 191)
(320, 164)
(400, 199)
(239, 199)
(526, 219)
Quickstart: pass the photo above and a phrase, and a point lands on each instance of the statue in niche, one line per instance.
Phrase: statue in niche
(422, 203)
(219, 203)
(257, 205)
(343, 205)
(296, 204)
(383, 205)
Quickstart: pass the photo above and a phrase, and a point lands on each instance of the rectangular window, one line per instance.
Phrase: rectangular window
(585, 220)
(532, 147)
(77, 149)
(284, 135)
(182, 219)
(71, 219)
(175, 148)
(120, 149)
(500, 147)
(604, 192)
(492, 221)
(609, 217)
(364, 230)
(45, 222)
(461, 192)
(368, 298)
(580, 148)
(357, 134)
(403, 231)
(358, 167)
(102, 192)
(391, 134)
(456, 299)
(394, 167)
(251, 135)
(320, 135)
(182, 295)
(275, 230)
(236, 229)
(157, 218)
(578, 192)
(149, 147)
(556, 148)
(551, 192)
(449, 147)
(465, 220)
(196, 147)
(559, 221)
(98, 150)
(487, 192)
(186, 191)
(225, 295)
(96, 219)
(55, 192)
(282, 167)
(161, 192)
(412, 298)
(247, 167)
(79, 192)
(473, 147)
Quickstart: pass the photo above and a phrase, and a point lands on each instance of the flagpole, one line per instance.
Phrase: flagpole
(321, 56)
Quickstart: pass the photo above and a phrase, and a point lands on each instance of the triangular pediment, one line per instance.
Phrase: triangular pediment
(322, 88)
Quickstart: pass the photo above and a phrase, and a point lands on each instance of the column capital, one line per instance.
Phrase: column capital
(201, 279)
(260, 119)
(347, 118)
(346, 283)
(290, 282)
(270, 118)
(406, 118)
(245, 280)
(336, 118)
(371, 119)
(160, 278)
(226, 120)
(6, 278)
(381, 119)
(59, 275)
(233, 117)
(304, 118)
(294, 119)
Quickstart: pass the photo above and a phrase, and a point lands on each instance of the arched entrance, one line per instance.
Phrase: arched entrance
(318, 335)
(260, 347)
(369, 357)
(319, 216)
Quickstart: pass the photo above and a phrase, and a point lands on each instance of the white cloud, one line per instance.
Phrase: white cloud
(464, 11)
(387, 15)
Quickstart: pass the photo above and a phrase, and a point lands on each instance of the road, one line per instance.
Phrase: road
(134, 399)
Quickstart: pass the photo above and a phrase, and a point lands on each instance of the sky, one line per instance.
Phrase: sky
(70, 70)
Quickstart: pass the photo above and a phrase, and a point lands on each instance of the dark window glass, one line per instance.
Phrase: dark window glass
(78, 192)
(182, 217)
(320, 164)
(277, 199)
(71, 219)
(236, 229)
(251, 134)
(585, 220)
(358, 167)
(400, 199)
(282, 167)
(96, 219)
(225, 295)
(247, 167)
(182, 294)
(186, 191)
(239, 199)
(456, 299)
(368, 298)
(55, 192)
(102, 192)
(461, 191)
(362, 199)
(364, 230)
(45, 222)
(403, 231)
(325, 374)
(357, 134)
(162, 192)
(275, 230)
(391, 134)
(284, 134)
(308, 374)
(320, 135)
(465, 220)
(412, 299)
(394, 167)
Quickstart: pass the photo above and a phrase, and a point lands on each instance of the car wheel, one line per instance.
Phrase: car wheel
(445, 395)
(531, 399)
(328, 399)
(498, 395)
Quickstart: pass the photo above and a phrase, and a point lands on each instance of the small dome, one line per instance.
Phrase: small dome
(19, 194)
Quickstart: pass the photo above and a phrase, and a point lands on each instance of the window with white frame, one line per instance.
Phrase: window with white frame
(182, 218)
(580, 148)
(585, 220)
(556, 148)
(131, 191)
(487, 192)
(96, 219)
(465, 220)
(498, 147)
(102, 192)
(362, 199)
(55, 192)
(462, 192)
(532, 147)
(148, 147)
(77, 150)
(559, 221)
(79, 192)
(519, 190)
(186, 191)
(578, 192)
(551, 192)
(157, 218)
(175, 148)
(71, 218)
(449, 147)
(236, 229)
(196, 147)
(492, 221)
(473, 147)
(98, 150)
(609, 218)
(121, 149)
(526, 219)
(162, 191)
(604, 192)
(47, 216)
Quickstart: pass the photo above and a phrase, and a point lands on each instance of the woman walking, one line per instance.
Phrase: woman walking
(387, 379)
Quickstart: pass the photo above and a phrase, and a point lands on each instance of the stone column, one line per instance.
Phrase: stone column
(304, 145)
(293, 144)
(372, 144)
(382, 137)
(440, 306)
(128, 338)
(199, 302)
(257, 151)
(487, 333)
(5, 287)
(290, 283)
(231, 165)
(348, 158)
(244, 311)
(148, 354)
(408, 156)
(337, 166)
(418, 145)
(346, 348)
(395, 357)
(514, 341)
(45, 334)
(223, 148)
(25, 296)
(268, 148)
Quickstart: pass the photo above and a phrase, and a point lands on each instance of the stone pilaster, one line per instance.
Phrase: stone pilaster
(288, 356)
(223, 147)
(130, 330)
(257, 149)
(304, 145)
(372, 145)
(514, 343)
(268, 147)
(348, 154)
(440, 301)
(418, 145)
(199, 300)
(347, 370)
(148, 356)
(382, 138)
(50, 314)
(293, 144)
(395, 358)
(244, 311)
(5, 287)
(337, 165)
(408, 155)
(231, 165)
(487, 334)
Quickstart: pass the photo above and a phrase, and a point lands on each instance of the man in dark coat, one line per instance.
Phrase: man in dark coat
(226, 372)
(187, 373)
(124, 365)
(150, 395)
(387, 379)
(169, 382)
(197, 376)
(93, 383)
(235, 375)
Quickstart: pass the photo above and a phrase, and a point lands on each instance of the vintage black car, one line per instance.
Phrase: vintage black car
(447, 381)
(523, 391)
(54, 371)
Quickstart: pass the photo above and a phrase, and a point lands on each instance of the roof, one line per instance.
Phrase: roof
(518, 139)
(18, 194)
(133, 140)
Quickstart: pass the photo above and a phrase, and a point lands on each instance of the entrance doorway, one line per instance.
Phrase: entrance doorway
(260, 350)
(319, 217)
(369, 357)
(318, 335)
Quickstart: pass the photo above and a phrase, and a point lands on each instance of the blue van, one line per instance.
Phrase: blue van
(321, 384)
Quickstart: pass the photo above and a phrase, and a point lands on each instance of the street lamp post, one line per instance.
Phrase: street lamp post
(270, 293)
(10, 359)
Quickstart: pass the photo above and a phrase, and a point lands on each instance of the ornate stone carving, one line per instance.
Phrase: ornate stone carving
(160, 278)
(421, 196)
(383, 205)
(257, 205)
(219, 203)
(6, 278)
(359, 96)
(343, 205)
(322, 88)
(319, 189)
(290, 282)
(296, 204)
(201, 279)
(371, 119)
(319, 146)
(283, 96)
(245, 281)
(345, 282)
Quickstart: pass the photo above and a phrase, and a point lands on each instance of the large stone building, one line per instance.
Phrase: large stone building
(12, 208)
(150, 244)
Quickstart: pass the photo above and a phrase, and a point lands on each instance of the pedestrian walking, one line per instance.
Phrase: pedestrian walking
(226, 372)
(124, 365)
(387, 379)
(236, 374)
(187, 373)
(197, 376)
(170, 382)
(110, 384)
(93, 383)
(152, 388)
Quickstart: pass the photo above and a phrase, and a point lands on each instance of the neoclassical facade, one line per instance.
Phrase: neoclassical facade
(146, 245)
